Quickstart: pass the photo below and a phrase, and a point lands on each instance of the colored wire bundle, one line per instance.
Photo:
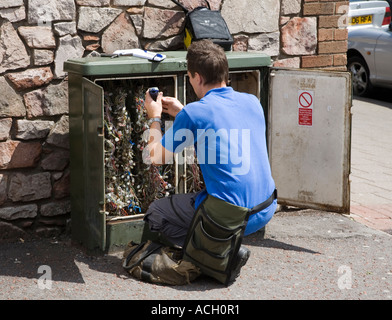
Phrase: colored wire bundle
(120, 196)
(154, 182)
(131, 184)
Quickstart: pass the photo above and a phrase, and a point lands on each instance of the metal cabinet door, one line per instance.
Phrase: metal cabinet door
(309, 135)
(93, 164)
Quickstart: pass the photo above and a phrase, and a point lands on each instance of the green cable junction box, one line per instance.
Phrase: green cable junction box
(87, 77)
(308, 134)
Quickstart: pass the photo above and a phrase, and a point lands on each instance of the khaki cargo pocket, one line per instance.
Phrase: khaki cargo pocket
(212, 227)
(210, 251)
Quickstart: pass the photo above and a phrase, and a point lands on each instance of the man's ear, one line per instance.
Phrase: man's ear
(199, 79)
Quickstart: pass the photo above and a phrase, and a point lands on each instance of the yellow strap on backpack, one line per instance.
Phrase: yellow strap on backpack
(187, 38)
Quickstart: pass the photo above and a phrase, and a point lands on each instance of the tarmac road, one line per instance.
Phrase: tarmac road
(305, 254)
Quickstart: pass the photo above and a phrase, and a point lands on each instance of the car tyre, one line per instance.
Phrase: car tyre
(360, 76)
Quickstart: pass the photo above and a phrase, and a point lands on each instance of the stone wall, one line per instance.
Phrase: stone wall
(36, 37)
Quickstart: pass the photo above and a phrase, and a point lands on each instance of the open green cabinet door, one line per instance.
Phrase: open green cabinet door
(87, 141)
(310, 137)
(94, 165)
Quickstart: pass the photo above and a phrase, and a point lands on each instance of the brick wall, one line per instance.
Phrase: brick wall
(332, 35)
(36, 37)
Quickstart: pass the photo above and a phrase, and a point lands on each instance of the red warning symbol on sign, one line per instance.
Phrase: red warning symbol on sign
(305, 108)
(305, 99)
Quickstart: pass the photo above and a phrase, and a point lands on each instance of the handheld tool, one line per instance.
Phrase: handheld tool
(154, 93)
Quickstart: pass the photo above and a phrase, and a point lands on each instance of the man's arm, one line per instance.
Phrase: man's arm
(158, 154)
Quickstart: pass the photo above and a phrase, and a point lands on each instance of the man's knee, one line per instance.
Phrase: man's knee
(152, 207)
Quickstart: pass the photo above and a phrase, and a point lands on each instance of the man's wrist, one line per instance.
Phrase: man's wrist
(154, 119)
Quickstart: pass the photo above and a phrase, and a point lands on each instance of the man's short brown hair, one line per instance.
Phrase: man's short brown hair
(209, 61)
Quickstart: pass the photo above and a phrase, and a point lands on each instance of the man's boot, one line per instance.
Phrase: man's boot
(239, 261)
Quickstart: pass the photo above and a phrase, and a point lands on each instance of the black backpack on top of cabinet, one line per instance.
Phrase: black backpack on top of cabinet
(204, 23)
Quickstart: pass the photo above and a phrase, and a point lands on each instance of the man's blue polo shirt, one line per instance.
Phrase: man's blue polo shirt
(227, 129)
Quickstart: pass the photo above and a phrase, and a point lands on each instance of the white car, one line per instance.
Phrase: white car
(369, 58)
(364, 14)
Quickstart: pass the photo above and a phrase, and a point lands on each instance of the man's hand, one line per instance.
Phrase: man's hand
(171, 106)
(158, 154)
(154, 108)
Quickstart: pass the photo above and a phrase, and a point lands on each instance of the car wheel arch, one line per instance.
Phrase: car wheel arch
(354, 56)
(353, 52)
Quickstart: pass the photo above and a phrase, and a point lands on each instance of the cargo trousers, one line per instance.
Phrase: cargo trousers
(172, 216)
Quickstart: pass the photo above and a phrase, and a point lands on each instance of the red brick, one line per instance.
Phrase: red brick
(340, 34)
(329, 21)
(325, 34)
(317, 61)
(332, 47)
(339, 59)
(341, 7)
(316, 9)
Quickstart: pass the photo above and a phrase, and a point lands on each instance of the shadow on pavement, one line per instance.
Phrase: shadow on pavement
(274, 244)
(23, 259)
(380, 95)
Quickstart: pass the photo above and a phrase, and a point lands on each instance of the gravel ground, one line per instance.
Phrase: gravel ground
(304, 255)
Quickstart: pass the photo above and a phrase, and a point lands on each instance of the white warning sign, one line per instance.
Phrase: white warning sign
(305, 107)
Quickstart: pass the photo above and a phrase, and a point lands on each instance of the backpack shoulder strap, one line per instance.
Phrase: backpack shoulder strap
(181, 5)
(153, 246)
(185, 9)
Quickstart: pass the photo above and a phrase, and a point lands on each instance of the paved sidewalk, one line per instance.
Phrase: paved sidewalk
(371, 163)
(306, 255)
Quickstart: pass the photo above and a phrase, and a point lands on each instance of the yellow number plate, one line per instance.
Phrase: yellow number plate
(361, 20)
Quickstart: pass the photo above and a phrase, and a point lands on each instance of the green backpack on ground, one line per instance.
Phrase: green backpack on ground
(156, 263)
